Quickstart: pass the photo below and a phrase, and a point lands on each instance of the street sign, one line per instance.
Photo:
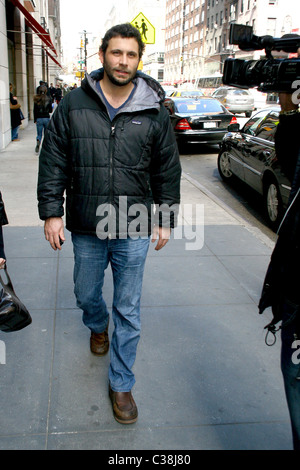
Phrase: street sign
(146, 29)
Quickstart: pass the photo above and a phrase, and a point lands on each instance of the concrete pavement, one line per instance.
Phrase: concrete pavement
(205, 380)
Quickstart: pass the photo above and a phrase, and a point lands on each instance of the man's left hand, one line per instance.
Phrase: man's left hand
(163, 234)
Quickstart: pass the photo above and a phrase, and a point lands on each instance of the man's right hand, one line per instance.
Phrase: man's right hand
(54, 231)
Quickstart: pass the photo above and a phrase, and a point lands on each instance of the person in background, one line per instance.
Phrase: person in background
(41, 83)
(41, 111)
(3, 221)
(65, 90)
(52, 91)
(15, 114)
(58, 94)
(281, 288)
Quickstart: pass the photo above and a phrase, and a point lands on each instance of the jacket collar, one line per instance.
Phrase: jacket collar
(148, 95)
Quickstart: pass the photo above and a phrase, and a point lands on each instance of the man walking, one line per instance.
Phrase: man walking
(110, 145)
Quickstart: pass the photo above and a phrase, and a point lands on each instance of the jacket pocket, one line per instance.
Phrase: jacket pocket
(133, 142)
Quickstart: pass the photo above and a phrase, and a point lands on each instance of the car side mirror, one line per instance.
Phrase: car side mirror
(233, 127)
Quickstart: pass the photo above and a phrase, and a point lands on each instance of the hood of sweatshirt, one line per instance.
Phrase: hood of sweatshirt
(148, 94)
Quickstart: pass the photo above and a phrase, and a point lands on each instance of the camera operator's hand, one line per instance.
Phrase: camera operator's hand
(286, 100)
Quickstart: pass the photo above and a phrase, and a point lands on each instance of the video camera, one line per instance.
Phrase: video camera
(269, 74)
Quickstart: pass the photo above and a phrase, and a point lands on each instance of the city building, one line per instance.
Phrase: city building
(197, 32)
(30, 52)
(123, 11)
(191, 42)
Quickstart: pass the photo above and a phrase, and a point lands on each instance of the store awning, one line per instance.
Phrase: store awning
(36, 27)
(53, 58)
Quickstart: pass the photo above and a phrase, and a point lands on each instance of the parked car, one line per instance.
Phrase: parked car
(186, 93)
(236, 100)
(249, 154)
(169, 90)
(202, 120)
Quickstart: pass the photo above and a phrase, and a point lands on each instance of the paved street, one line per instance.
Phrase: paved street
(200, 165)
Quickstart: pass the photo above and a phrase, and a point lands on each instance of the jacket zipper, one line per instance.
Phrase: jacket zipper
(112, 134)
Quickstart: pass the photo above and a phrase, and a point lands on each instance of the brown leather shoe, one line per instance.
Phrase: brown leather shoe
(124, 407)
(99, 343)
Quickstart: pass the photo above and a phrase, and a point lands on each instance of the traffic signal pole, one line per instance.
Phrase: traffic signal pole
(85, 41)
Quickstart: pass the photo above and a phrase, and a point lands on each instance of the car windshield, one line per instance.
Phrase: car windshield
(267, 128)
(199, 107)
(191, 93)
(251, 126)
(238, 92)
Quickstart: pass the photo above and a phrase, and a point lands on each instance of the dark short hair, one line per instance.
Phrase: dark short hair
(125, 30)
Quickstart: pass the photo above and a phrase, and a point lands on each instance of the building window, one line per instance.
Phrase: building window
(160, 74)
(271, 26)
(232, 12)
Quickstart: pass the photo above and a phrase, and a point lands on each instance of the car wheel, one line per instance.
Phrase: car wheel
(248, 114)
(224, 166)
(273, 203)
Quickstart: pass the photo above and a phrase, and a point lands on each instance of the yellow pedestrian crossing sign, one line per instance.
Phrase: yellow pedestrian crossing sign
(146, 29)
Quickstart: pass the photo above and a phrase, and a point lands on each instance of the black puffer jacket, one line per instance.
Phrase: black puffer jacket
(97, 160)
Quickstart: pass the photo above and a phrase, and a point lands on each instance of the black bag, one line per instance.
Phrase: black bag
(13, 314)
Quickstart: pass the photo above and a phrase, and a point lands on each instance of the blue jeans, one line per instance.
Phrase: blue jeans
(15, 133)
(41, 124)
(290, 366)
(127, 259)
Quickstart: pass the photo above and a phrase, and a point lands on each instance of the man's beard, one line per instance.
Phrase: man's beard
(116, 81)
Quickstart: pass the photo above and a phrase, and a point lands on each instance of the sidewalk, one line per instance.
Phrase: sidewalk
(205, 379)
